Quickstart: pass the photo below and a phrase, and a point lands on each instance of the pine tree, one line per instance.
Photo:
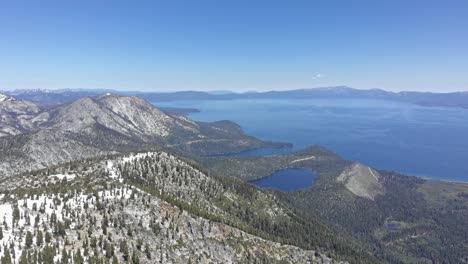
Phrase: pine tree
(48, 254)
(48, 237)
(16, 213)
(124, 249)
(6, 259)
(139, 243)
(30, 257)
(78, 259)
(35, 260)
(29, 239)
(24, 257)
(147, 251)
(64, 256)
(135, 258)
(108, 249)
(115, 260)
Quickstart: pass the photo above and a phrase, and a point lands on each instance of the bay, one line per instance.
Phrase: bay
(411, 139)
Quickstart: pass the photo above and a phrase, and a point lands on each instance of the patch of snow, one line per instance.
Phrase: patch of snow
(3, 97)
(304, 159)
(372, 172)
(44, 206)
(62, 176)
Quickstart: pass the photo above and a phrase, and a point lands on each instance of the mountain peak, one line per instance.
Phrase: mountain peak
(128, 115)
(4, 98)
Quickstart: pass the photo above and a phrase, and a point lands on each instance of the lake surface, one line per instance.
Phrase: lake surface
(416, 140)
(287, 180)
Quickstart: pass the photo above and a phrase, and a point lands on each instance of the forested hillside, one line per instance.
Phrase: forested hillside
(154, 208)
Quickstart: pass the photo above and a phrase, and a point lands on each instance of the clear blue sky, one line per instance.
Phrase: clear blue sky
(236, 45)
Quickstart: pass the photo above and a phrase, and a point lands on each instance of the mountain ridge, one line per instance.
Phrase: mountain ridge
(106, 124)
(451, 99)
(157, 217)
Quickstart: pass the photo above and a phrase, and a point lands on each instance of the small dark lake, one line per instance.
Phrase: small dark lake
(287, 180)
(392, 227)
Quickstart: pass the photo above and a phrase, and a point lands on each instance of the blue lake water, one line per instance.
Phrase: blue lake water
(416, 140)
(392, 227)
(287, 180)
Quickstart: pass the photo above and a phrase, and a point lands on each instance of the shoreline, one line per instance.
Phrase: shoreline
(448, 181)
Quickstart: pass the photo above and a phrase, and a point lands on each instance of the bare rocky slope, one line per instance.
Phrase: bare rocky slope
(362, 181)
(17, 116)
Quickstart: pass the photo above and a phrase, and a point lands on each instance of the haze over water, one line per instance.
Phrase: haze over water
(415, 140)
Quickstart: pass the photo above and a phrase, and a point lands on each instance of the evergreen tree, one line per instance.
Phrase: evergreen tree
(35, 260)
(108, 249)
(139, 243)
(24, 257)
(39, 238)
(6, 259)
(64, 256)
(48, 254)
(147, 251)
(29, 239)
(48, 237)
(16, 214)
(115, 260)
(78, 259)
(135, 258)
(124, 249)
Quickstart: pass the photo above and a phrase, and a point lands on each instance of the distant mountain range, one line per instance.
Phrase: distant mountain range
(54, 97)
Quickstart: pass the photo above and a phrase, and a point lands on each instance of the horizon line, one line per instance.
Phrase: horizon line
(224, 91)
